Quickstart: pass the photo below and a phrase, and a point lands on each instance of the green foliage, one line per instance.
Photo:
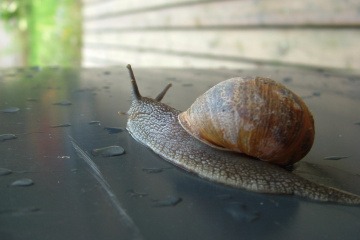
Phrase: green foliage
(12, 12)
(50, 29)
(56, 33)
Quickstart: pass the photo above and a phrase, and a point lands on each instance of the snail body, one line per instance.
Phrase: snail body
(156, 125)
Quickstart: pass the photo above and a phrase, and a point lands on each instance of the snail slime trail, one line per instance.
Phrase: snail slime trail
(157, 126)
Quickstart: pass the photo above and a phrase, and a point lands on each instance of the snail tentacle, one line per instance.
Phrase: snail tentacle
(163, 92)
(135, 90)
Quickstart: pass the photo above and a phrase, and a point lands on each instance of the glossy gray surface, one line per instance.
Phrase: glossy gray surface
(58, 118)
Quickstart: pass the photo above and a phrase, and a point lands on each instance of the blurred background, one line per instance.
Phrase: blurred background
(180, 33)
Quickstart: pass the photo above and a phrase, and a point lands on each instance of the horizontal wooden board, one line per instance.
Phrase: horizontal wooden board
(196, 14)
(110, 57)
(329, 48)
(208, 33)
(95, 8)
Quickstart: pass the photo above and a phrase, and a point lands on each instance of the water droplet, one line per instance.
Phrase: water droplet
(154, 170)
(61, 125)
(108, 151)
(316, 94)
(23, 182)
(224, 197)
(335, 157)
(94, 123)
(10, 110)
(240, 212)
(21, 211)
(354, 78)
(169, 201)
(171, 78)
(5, 171)
(113, 130)
(287, 79)
(63, 103)
(135, 194)
(7, 136)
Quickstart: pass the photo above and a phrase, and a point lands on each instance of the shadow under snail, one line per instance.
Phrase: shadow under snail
(276, 127)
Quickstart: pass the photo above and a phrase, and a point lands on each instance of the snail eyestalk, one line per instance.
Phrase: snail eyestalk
(163, 92)
(135, 90)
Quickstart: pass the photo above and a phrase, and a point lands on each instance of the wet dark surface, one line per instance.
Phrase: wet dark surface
(53, 187)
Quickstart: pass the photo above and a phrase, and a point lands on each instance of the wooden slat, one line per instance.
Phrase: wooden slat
(286, 46)
(104, 8)
(204, 33)
(109, 57)
(227, 13)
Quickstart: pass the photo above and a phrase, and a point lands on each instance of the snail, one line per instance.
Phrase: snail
(157, 126)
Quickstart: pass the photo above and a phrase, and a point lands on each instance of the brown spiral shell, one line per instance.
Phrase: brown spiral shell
(255, 116)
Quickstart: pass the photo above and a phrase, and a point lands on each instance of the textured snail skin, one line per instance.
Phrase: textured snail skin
(155, 125)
